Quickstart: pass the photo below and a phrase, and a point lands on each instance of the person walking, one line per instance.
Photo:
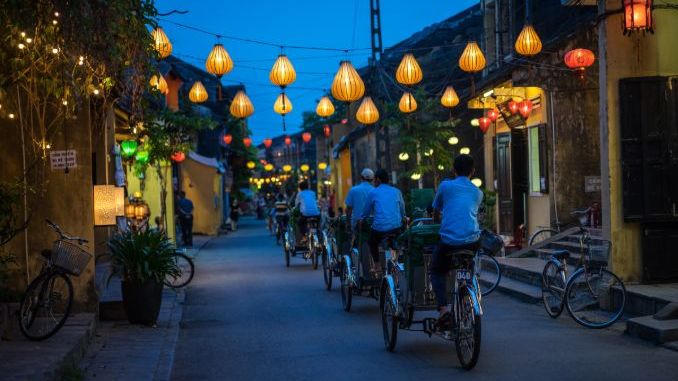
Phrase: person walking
(235, 214)
(185, 211)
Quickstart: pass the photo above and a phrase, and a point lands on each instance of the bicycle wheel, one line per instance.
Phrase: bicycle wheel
(595, 298)
(46, 306)
(541, 235)
(327, 271)
(553, 289)
(488, 273)
(389, 317)
(346, 287)
(186, 270)
(469, 327)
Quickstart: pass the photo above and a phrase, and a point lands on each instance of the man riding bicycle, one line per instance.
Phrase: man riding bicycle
(355, 200)
(308, 206)
(386, 204)
(458, 200)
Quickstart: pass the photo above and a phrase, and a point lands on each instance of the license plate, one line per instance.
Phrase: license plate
(463, 275)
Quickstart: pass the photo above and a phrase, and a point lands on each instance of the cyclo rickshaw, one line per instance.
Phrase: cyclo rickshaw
(337, 243)
(406, 290)
(292, 239)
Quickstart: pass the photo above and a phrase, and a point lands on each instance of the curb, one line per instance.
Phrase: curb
(163, 371)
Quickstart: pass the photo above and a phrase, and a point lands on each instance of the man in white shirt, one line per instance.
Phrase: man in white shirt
(308, 206)
(355, 200)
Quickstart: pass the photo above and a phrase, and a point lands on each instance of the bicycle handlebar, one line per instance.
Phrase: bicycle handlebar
(63, 235)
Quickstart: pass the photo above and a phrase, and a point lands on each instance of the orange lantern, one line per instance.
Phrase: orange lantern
(513, 107)
(178, 157)
(241, 106)
(484, 124)
(268, 142)
(525, 108)
(492, 114)
(327, 130)
(218, 61)
(578, 60)
(288, 141)
(347, 85)
(228, 138)
(247, 141)
(409, 72)
(161, 43)
(306, 137)
(325, 108)
(158, 82)
(282, 73)
(198, 93)
(472, 59)
(637, 16)
(528, 42)
(449, 98)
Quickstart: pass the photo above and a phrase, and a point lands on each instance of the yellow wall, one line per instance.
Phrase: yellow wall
(151, 194)
(635, 56)
(344, 180)
(202, 185)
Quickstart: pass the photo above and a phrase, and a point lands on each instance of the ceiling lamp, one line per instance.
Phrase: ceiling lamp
(367, 112)
(218, 61)
(347, 85)
(241, 107)
(268, 142)
(453, 140)
(269, 167)
(409, 72)
(513, 107)
(306, 137)
(407, 103)
(304, 167)
(578, 60)
(492, 114)
(637, 16)
(325, 108)
(472, 59)
(477, 182)
(128, 148)
(158, 82)
(282, 73)
(528, 42)
(178, 157)
(403, 156)
(247, 141)
(251, 165)
(415, 176)
(288, 140)
(322, 166)
(287, 168)
(449, 98)
(464, 150)
(525, 108)
(161, 43)
(327, 130)
(198, 93)
(484, 123)
(142, 156)
(282, 105)
(228, 138)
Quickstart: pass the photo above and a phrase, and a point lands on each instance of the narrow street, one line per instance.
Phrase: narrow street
(247, 317)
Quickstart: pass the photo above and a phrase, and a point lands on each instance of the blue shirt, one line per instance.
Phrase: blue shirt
(308, 206)
(185, 207)
(356, 200)
(458, 200)
(388, 207)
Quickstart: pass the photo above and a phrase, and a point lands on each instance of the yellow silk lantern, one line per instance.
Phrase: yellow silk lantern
(268, 167)
(367, 112)
(251, 164)
(241, 107)
(218, 61)
(407, 103)
(325, 107)
(528, 42)
(409, 72)
(282, 105)
(347, 85)
(287, 168)
(282, 73)
(322, 166)
(449, 98)
(161, 43)
(472, 59)
(304, 167)
(198, 93)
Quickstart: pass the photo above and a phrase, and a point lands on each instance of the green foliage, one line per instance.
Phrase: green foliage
(6, 294)
(10, 201)
(239, 155)
(141, 256)
(487, 218)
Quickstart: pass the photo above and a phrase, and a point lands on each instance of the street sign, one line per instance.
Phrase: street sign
(591, 184)
(63, 159)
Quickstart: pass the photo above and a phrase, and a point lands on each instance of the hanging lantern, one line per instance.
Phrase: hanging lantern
(142, 156)
(247, 141)
(453, 140)
(322, 166)
(403, 156)
(492, 114)
(282, 73)
(251, 165)
(228, 138)
(415, 176)
(525, 108)
(367, 112)
(441, 167)
(288, 140)
(409, 72)
(528, 42)
(484, 123)
(128, 148)
(269, 167)
(198, 93)
(241, 107)
(268, 142)
(161, 43)
(327, 130)
(637, 16)
(578, 60)
(472, 59)
(287, 168)
(158, 82)
(464, 150)
(347, 85)
(282, 105)
(407, 103)
(513, 107)
(306, 137)
(449, 98)
(218, 61)
(325, 108)
(304, 167)
(178, 157)
(477, 182)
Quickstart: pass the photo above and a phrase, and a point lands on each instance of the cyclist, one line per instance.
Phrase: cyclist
(282, 212)
(458, 200)
(388, 207)
(355, 200)
(307, 203)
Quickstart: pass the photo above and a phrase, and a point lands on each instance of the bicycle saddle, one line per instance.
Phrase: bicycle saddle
(561, 254)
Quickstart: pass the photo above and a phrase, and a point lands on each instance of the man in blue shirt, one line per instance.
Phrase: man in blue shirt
(355, 200)
(185, 211)
(386, 204)
(308, 206)
(458, 200)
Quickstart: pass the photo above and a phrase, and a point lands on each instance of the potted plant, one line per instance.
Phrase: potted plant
(9, 300)
(142, 259)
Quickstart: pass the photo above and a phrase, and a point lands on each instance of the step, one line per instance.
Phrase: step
(525, 270)
(649, 328)
(522, 291)
(647, 299)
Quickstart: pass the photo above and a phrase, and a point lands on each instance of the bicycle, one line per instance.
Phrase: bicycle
(580, 218)
(186, 271)
(594, 296)
(49, 297)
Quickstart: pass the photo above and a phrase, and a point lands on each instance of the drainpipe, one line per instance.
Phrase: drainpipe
(603, 121)
(553, 155)
(497, 33)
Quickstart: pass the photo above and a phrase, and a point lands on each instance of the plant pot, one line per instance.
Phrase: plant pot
(141, 301)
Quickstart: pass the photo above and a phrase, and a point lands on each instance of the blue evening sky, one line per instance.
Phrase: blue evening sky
(336, 24)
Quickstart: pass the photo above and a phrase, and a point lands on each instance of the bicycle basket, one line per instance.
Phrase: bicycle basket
(70, 257)
(490, 242)
(600, 251)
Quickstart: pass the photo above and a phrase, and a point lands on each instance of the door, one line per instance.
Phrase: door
(504, 185)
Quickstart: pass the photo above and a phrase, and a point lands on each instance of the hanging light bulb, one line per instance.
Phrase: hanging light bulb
(158, 82)
(161, 43)
(287, 168)
(477, 182)
(464, 150)
(282, 73)
(251, 164)
(472, 59)
(325, 108)
(415, 176)
(282, 105)
(347, 85)
(453, 140)
(269, 167)
(449, 98)
(218, 62)
(304, 167)
(441, 167)
(409, 72)
(407, 103)
(322, 166)
(241, 107)
(403, 156)
(367, 112)
(528, 42)
(198, 93)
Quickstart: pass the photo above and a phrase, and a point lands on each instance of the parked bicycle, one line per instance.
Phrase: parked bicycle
(594, 296)
(580, 217)
(49, 297)
(186, 270)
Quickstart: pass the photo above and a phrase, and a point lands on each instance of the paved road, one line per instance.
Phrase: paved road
(247, 317)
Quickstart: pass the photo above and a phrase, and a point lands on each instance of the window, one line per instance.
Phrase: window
(538, 163)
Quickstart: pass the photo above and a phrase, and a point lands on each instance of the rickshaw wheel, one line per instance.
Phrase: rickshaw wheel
(327, 271)
(389, 318)
(346, 288)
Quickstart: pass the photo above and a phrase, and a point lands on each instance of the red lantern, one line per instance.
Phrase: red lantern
(484, 123)
(492, 114)
(327, 130)
(247, 142)
(637, 15)
(268, 142)
(288, 140)
(228, 138)
(513, 107)
(306, 137)
(178, 157)
(525, 108)
(578, 60)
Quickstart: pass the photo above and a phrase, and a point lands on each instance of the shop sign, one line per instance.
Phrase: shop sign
(63, 159)
(591, 184)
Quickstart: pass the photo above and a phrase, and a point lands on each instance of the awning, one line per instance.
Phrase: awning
(208, 161)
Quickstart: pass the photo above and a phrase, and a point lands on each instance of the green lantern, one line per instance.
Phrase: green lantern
(142, 157)
(128, 147)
